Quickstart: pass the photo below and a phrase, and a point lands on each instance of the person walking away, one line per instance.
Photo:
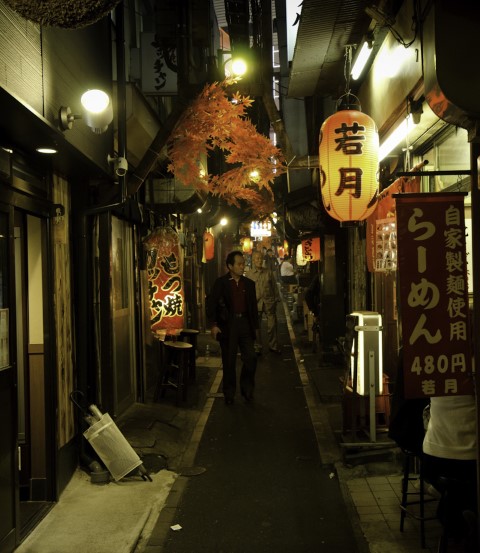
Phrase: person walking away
(231, 310)
(267, 299)
(287, 272)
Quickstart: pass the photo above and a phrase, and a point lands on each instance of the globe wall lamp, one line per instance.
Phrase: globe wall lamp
(233, 66)
(97, 112)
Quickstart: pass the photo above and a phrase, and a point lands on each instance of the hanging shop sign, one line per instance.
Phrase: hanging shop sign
(208, 246)
(432, 265)
(260, 229)
(349, 165)
(165, 281)
(311, 249)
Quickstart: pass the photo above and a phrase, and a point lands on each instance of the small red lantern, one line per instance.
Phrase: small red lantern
(209, 245)
(311, 249)
(349, 165)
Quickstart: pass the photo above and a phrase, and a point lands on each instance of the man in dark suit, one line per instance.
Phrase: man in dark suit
(232, 312)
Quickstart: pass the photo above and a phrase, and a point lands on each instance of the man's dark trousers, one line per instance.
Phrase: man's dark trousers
(239, 337)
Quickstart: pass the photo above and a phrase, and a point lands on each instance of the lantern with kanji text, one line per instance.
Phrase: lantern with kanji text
(165, 281)
(311, 249)
(349, 165)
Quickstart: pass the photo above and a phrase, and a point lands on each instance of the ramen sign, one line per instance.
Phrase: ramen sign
(432, 265)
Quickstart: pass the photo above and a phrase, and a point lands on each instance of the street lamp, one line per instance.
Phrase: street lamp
(234, 66)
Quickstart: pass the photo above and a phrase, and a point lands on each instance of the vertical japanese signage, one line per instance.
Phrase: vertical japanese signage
(165, 282)
(432, 267)
(349, 165)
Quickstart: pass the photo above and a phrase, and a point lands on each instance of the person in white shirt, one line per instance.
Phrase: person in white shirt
(287, 272)
(450, 452)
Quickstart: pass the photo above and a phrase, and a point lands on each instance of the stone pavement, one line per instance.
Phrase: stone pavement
(121, 517)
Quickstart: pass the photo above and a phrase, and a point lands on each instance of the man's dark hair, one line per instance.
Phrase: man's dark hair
(231, 257)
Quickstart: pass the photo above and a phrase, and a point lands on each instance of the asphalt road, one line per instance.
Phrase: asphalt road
(264, 489)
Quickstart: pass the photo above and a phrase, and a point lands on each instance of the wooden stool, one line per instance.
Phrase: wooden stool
(190, 336)
(174, 358)
(410, 461)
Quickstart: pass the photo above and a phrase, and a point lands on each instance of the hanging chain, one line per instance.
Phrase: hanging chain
(347, 68)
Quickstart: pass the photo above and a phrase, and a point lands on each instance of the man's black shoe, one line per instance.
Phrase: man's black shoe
(248, 397)
(229, 400)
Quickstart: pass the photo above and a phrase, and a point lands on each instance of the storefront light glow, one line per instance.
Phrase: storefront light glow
(397, 136)
(361, 60)
(368, 341)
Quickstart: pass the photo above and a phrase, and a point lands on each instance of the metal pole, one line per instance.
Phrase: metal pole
(372, 393)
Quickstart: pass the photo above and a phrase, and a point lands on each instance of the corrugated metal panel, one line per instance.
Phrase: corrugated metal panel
(325, 28)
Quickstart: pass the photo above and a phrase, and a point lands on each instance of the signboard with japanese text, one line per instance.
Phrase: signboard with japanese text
(165, 282)
(348, 155)
(432, 267)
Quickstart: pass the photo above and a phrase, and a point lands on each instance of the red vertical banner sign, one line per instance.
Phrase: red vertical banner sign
(165, 281)
(432, 267)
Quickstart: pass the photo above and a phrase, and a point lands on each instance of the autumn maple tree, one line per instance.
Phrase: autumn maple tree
(216, 120)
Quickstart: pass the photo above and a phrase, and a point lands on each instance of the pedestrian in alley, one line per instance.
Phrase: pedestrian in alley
(231, 310)
(287, 271)
(450, 465)
(267, 299)
(270, 261)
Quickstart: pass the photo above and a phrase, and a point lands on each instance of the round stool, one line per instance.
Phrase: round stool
(190, 336)
(177, 354)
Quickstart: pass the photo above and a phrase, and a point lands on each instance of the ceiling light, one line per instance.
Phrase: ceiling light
(45, 150)
(362, 56)
(97, 112)
(397, 136)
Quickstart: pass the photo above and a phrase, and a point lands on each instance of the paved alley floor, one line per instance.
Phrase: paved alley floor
(267, 477)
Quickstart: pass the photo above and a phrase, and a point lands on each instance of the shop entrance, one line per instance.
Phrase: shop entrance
(7, 391)
(35, 384)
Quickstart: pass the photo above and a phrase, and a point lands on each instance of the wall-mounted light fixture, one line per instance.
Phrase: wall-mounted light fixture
(97, 112)
(362, 55)
(396, 137)
(234, 66)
